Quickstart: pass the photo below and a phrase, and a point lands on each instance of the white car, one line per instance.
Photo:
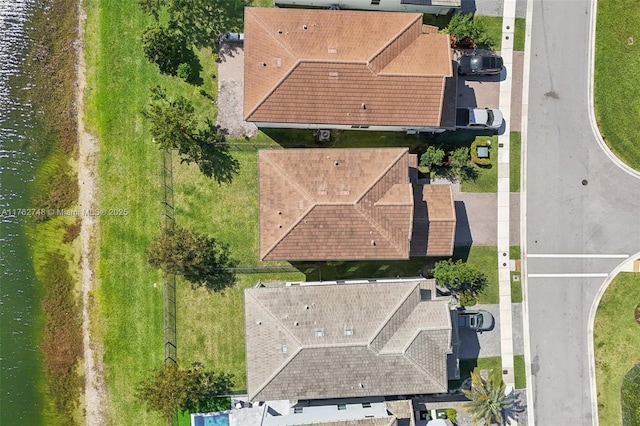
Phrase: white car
(478, 118)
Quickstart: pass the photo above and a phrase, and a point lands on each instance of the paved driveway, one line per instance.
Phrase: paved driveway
(487, 343)
(565, 215)
(231, 93)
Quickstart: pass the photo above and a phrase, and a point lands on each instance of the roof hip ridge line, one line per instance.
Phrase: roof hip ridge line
(302, 191)
(286, 75)
(286, 331)
(388, 43)
(391, 315)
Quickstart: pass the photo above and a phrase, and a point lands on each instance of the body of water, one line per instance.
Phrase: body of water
(21, 370)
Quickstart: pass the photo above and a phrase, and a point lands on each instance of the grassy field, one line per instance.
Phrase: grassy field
(616, 342)
(514, 162)
(616, 93)
(520, 372)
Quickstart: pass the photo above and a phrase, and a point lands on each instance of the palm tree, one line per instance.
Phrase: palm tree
(489, 402)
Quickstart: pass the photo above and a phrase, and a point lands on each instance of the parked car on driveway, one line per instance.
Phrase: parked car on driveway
(231, 37)
(479, 320)
(478, 118)
(479, 64)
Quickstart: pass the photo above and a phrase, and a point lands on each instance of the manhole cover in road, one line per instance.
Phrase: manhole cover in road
(638, 313)
(585, 182)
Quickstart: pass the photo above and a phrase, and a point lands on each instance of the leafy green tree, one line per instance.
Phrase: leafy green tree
(167, 48)
(200, 22)
(170, 389)
(460, 166)
(212, 154)
(173, 121)
(432, 160)
(459, 277)
(464, 26)
(200, 259)
(174, 125)
(489, 402)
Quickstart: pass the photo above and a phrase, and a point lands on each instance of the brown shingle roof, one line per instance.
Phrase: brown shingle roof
(318, 66)
(346, 340)
(319, 204)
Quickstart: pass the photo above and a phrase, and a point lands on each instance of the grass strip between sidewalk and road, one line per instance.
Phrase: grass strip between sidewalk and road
(514, 161)
(616, 339)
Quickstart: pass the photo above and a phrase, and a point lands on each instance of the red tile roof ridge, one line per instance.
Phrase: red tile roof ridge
(402, 153)
(270, 31)
(379, 228)
(302, 192)
(390, 41)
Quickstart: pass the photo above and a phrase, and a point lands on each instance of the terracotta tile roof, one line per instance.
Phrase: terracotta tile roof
(329, 340)
(320, 204)
(434, 221)
(345, 67)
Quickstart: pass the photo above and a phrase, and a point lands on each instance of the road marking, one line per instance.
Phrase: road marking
(577, 256)
(594, 275)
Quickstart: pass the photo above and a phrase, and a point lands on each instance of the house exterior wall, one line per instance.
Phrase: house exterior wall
(327, 126)
(438, 8)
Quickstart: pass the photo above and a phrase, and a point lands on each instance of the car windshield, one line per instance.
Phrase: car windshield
(490, 117)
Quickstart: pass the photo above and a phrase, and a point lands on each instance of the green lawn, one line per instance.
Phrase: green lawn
(494, 366)
(128, 316)
(488, 176)
(516, 288)
(520, 372)
(617, 72)
(493, 27)
(514, 162)
(518, 36)
(616, 343)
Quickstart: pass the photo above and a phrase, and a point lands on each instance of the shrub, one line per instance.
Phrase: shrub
(61, 193)
(467, 299)
(184, 71)
(71, 231)
(451, 415)
(62, 340)
(474, 153)
(470, 32)
(630, 393)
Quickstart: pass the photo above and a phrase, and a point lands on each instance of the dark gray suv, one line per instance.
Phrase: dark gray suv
(478, 64)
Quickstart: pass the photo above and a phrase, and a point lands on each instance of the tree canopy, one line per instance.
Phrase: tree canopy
(454, 166)
(170, 389)
(459, 277)
(200, 259)
(464, 27)
(198, 22)
(489, 403)
(174, 125)
(167, 48)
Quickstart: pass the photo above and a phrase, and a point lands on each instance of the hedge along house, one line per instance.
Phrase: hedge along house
(350, 204)
(327, 69)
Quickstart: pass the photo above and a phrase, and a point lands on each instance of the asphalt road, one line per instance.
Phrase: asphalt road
(577, 202)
